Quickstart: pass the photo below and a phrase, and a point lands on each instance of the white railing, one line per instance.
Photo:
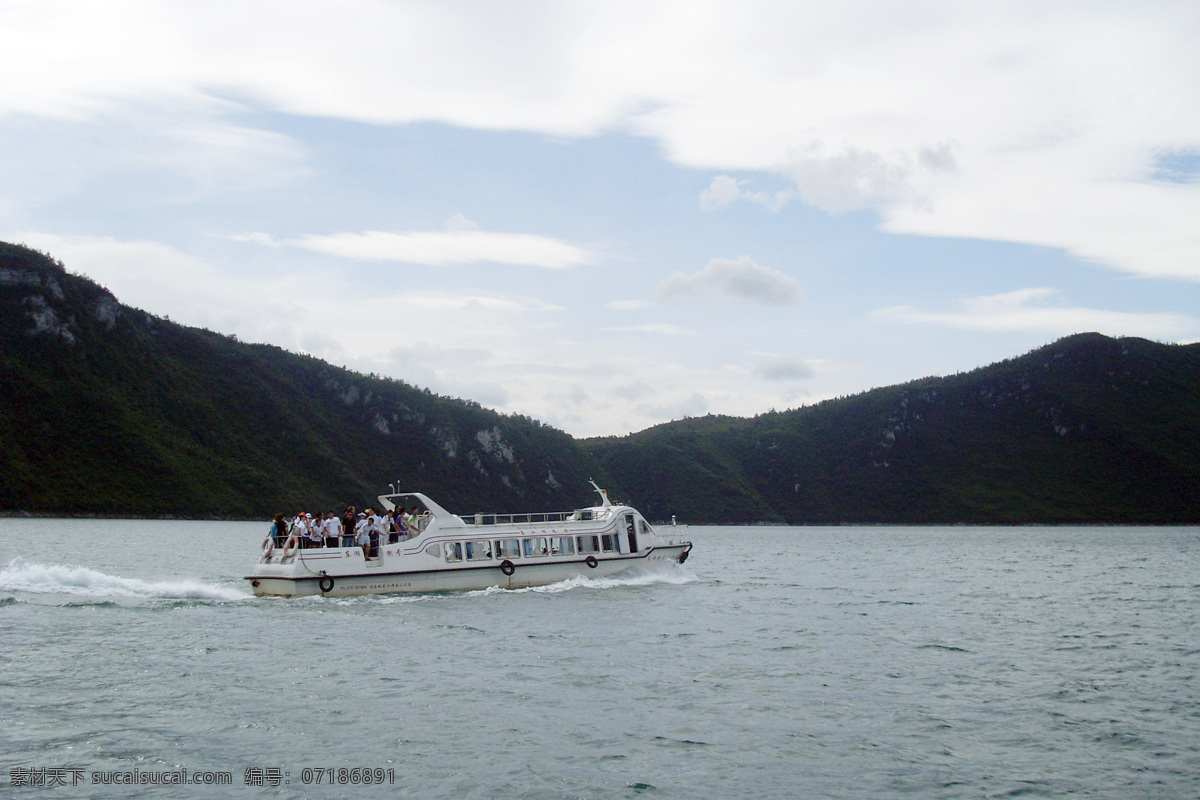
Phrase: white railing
(542, 518)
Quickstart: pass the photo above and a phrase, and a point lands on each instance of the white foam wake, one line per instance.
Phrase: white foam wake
(674, 575)
(25, 576)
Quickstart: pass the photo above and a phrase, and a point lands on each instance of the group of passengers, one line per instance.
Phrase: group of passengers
(367, 529)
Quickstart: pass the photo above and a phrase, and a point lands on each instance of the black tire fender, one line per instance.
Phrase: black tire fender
(325, 584)
(508, 567)
(591, 562)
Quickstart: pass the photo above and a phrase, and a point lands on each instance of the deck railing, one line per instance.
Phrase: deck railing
(541, 518)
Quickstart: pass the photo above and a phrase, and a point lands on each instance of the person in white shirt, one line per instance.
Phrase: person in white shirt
(378, 531)
(362, 533)
(333, 529)
(299, 529)
(316, 534)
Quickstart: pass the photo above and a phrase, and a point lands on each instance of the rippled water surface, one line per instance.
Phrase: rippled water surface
(778, 663)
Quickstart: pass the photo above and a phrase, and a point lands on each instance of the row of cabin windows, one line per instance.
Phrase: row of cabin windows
(533, 547)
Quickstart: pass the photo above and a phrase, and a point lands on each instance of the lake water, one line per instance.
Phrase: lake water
(877, 662)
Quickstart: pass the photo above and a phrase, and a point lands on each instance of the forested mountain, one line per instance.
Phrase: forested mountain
(108, 409)
(1088, 429)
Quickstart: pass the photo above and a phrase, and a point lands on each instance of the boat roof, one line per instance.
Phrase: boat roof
(388, 501)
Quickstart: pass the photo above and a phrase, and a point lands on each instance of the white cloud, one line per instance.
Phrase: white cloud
(1056, 139)
(725, 190)
(214, 157)
(659, 328)
(289, 309)
(1032, 310)
(460, 223)
(145, 274)
(459, 244)
(784, 368)
(175, 154)
(256, 237)
(694, 405)
(456, 371)
(431, 300)
(850, 179)
(638, 390)
(726, 279)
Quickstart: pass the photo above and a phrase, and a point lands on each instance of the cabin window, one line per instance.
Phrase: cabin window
(534, 547)
(562, 545)
(643, 526)
(589, 544)
(479, 550)
(453, 551)
(434, 550)
(508, 548)
(607, 542)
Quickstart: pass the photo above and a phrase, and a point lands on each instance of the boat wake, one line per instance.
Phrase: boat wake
(26, 576)
(673, 574)
(676, 575)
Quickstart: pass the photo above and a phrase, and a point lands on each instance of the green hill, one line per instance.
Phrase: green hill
(107, 409)
(1088, 429)
(110, 410)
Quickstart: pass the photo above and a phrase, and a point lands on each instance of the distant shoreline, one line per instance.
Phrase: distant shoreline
(91, 515)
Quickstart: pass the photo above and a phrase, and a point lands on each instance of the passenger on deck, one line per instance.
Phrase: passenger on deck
(362, 534)
(333, 529)
(395, 532)
(399, 529)
(306, 526)
(279, 530)
(299, 529)
(414, 520)
(378, 531)
(348, 521)
(383, 524)
(316, 532)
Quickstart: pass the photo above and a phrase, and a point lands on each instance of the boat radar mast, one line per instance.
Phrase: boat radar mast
(603, 494)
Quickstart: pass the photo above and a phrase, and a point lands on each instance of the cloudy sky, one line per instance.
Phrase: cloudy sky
(610, 215)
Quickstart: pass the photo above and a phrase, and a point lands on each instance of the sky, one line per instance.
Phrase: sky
(608, 216)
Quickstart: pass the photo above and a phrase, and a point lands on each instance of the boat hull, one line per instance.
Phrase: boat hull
(462, 578)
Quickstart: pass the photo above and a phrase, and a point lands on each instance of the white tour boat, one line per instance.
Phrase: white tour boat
(452, 553)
